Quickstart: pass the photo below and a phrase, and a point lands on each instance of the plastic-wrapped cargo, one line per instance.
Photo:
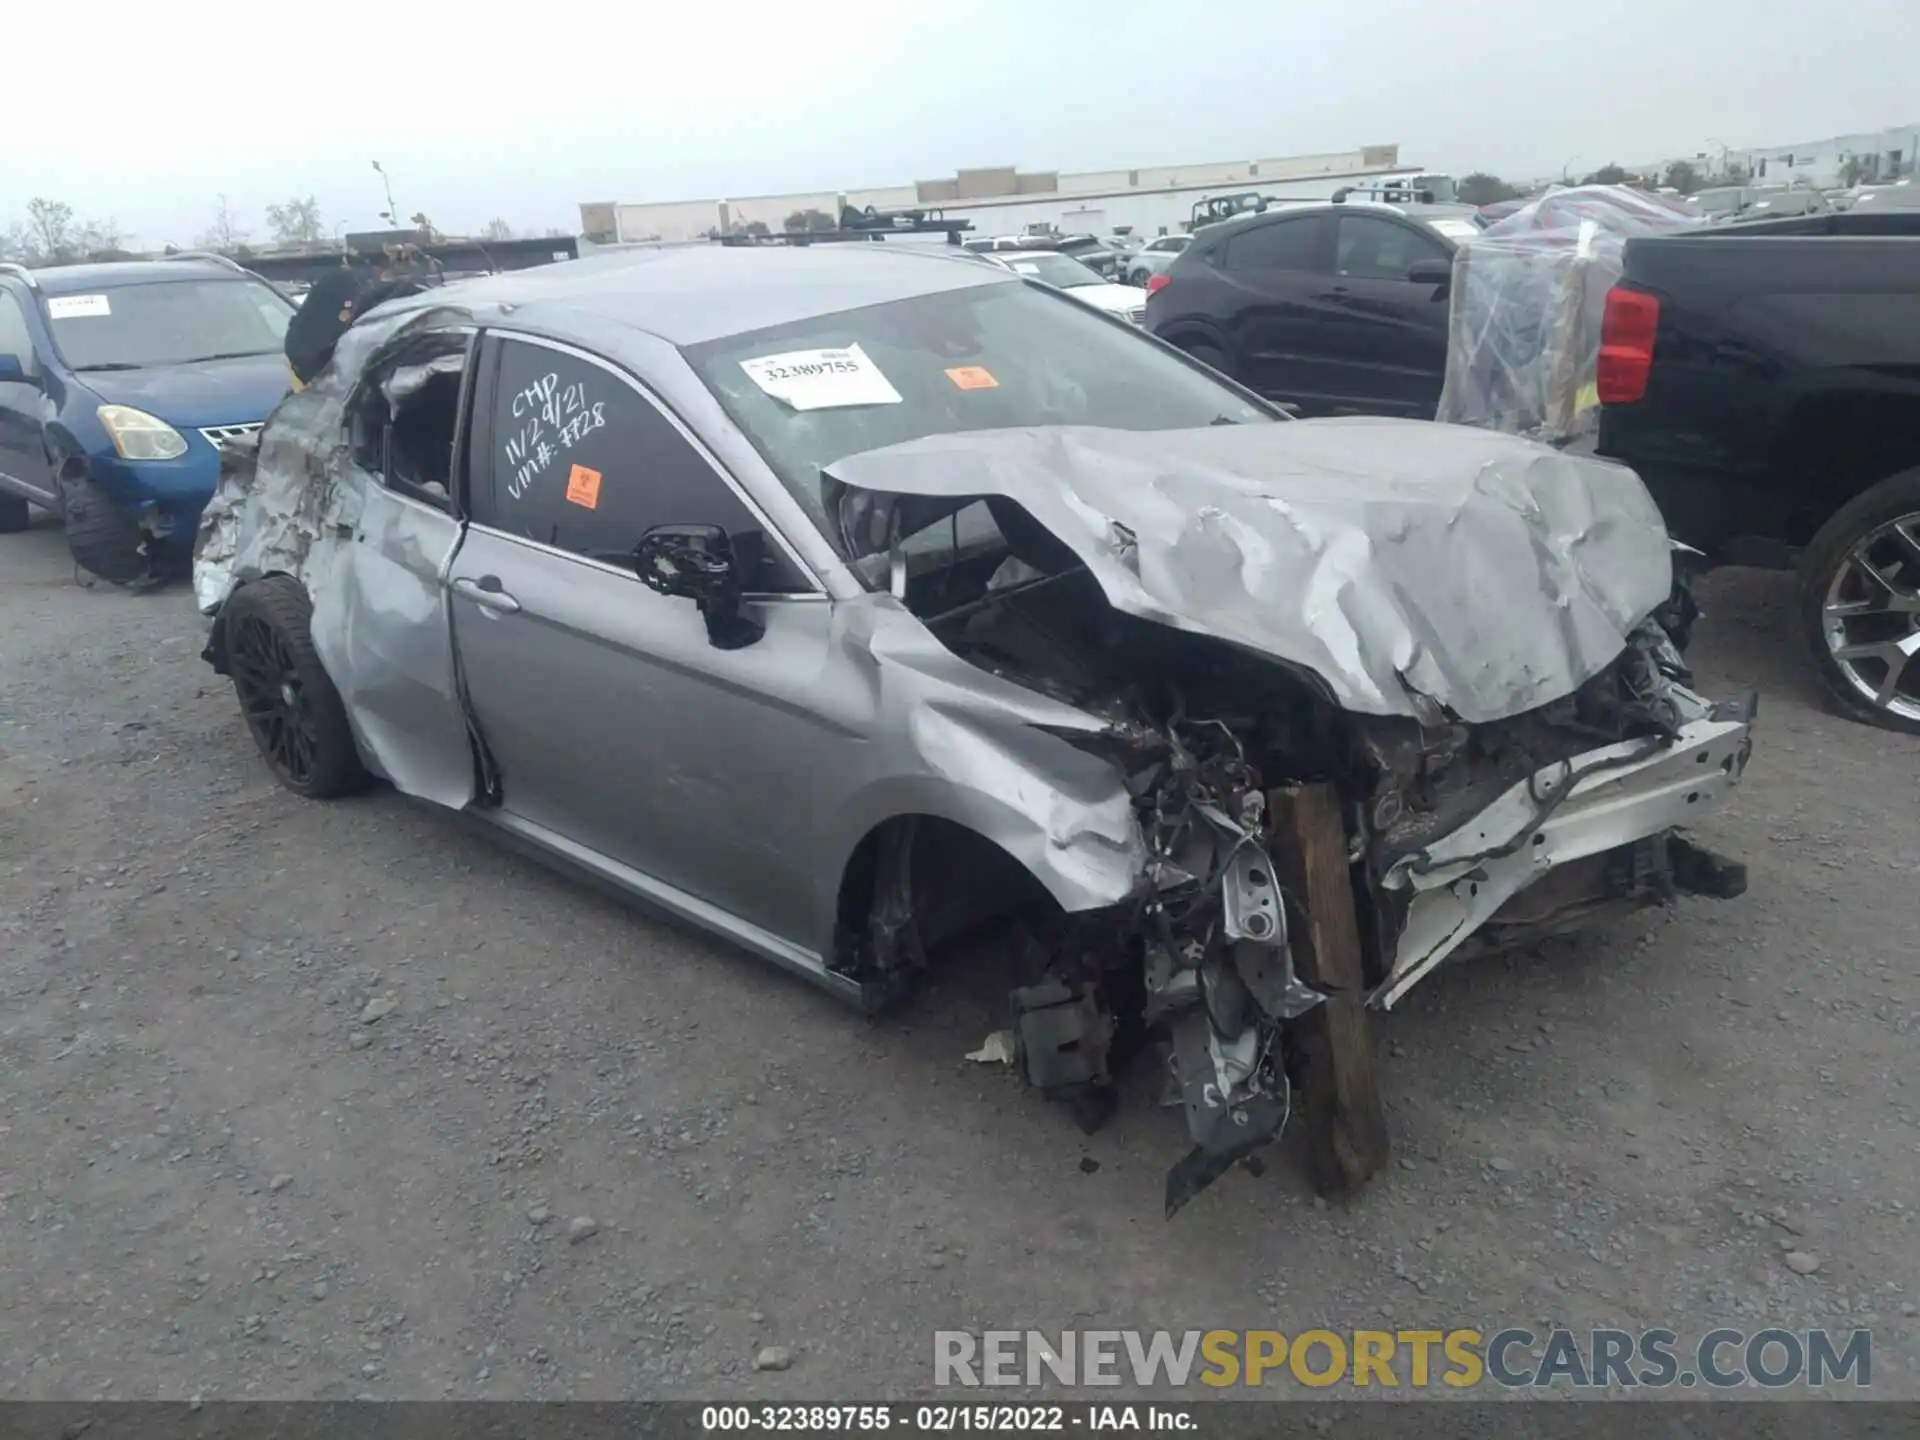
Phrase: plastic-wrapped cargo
(1523, 332)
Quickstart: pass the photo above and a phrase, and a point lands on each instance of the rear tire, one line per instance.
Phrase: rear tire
(295, 714)
(13, 515)
(101, 536)
(1860, 603)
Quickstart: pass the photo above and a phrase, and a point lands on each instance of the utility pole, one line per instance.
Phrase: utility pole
(392, 213)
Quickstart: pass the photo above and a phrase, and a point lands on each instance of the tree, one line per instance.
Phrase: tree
(808, 219)
(297, 222)
(1608, 174)
(49, 232)
(496, 229)
(758, 227)
(101, 240)
(1683, 177)
(226, 233)
(1480, 188)
(1853, 171)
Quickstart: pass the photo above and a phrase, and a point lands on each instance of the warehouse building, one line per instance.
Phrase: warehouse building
(1870, 158)
(1150, 200)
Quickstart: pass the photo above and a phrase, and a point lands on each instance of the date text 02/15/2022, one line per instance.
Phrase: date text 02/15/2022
(939, 1419)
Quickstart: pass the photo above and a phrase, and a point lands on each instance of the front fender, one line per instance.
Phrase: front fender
(963, 745)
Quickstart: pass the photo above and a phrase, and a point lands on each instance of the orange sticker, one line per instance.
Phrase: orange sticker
(973, 377)
(583, 486)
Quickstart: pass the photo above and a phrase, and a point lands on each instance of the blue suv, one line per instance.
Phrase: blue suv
(118, 383)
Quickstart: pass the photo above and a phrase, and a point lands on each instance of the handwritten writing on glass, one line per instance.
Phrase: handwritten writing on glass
(550, 419)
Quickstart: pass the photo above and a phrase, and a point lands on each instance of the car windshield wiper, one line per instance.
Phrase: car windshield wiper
(108, 365)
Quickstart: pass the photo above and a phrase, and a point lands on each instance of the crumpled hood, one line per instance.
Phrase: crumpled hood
(1402, 562)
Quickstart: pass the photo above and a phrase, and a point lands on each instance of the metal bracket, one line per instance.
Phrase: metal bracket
(1250, 898)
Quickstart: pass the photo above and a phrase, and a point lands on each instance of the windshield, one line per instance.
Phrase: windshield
(168, 322)
(989, 357)
(1061, 271)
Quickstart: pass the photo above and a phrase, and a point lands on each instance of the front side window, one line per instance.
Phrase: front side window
(1370, 248)
(171, 322)
(15, 340)
(583, 461)
(987, 357)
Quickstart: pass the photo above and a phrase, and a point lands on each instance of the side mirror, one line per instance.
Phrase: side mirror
(1431, 272)
(695, 562)
(12, 372)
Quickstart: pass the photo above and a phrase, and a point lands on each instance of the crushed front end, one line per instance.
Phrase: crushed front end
(1457, 836)
(1464, 646)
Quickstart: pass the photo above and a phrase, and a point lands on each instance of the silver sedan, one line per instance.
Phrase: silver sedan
(843, 600)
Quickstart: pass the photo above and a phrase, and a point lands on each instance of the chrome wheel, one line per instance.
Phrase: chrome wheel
(1870, 618)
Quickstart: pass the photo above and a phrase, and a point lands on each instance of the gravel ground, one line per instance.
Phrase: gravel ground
(586, 1154)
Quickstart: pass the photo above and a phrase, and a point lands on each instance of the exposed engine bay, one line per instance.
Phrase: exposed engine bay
(1203, 958)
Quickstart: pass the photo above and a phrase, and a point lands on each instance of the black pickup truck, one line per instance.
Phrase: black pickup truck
(1765, 382)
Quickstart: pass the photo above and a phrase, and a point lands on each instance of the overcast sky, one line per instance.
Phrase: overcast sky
(147, 113)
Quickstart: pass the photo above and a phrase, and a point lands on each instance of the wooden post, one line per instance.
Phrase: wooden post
(1347, 1123)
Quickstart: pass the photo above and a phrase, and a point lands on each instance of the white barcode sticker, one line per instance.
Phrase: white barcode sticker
(822, 379)
(69, 307)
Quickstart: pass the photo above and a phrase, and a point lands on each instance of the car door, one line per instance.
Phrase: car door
(1271, 309)
(393, 660)
(619, 732)
(1386, 343)
(23, 450)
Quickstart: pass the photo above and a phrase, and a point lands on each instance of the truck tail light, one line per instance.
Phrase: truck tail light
(1627, 328)
(1157, 283)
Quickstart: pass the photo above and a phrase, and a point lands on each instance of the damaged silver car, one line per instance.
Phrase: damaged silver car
(843, 601)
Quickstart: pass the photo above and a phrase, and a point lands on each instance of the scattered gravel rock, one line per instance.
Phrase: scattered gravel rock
(773, 1357)
(377, 1009)
(1802, 1262)
(581, 1227)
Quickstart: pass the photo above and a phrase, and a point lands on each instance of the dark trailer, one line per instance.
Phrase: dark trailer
(448, 257)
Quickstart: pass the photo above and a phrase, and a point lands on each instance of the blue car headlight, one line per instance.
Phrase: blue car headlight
(137, 435)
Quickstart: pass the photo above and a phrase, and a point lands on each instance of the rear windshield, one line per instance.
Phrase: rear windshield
(990, 357)
(1061, 271)
(168, 322)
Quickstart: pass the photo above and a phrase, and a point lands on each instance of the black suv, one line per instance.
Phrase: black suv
(1329, 308)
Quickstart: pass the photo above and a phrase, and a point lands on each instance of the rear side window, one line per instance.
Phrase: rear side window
(1291, 244)
(1371, 248)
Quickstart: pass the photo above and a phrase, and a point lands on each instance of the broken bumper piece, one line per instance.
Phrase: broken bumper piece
(1604, 817)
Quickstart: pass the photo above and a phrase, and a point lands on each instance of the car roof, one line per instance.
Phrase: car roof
(690, 294)
(107, 274)
(1417, 213)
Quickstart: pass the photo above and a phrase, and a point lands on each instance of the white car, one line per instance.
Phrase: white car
(1155, 257)
(1083, 283)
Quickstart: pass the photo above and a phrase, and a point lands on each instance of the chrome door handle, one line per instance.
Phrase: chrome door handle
(486, 593)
